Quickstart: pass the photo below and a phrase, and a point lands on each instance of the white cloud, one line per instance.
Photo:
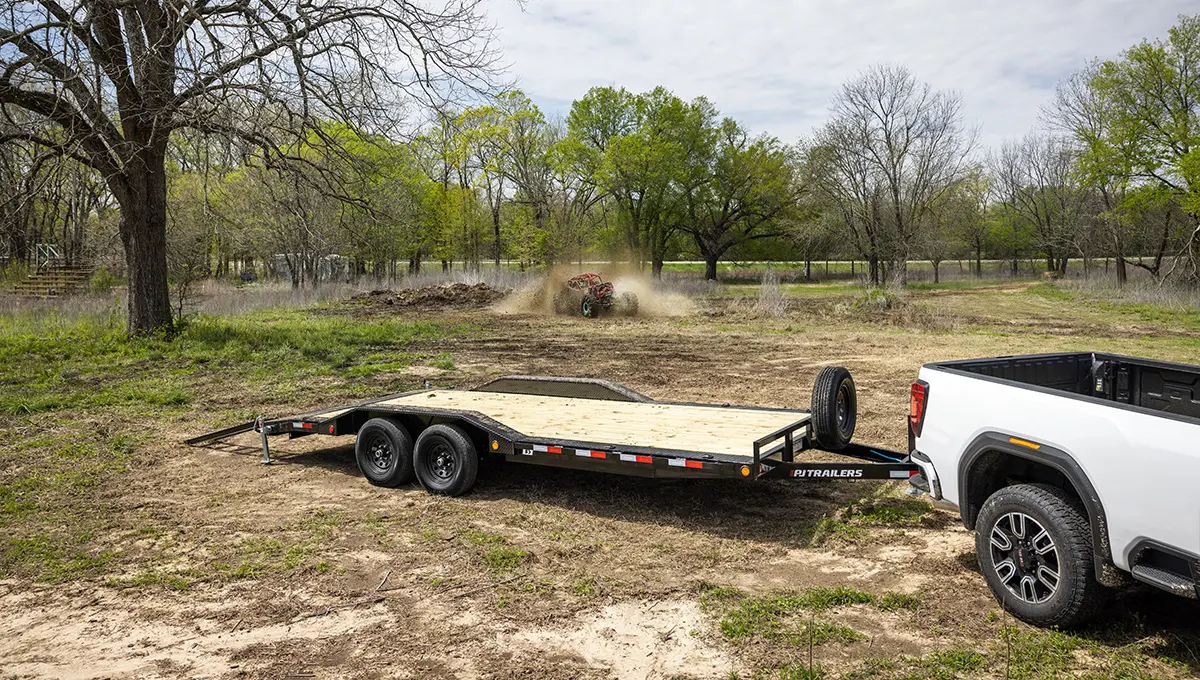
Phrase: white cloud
(775, 65)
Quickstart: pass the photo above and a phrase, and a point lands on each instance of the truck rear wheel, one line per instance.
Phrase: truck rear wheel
(1035, 549)
(384, 452)
(446, 462)
(834, 408)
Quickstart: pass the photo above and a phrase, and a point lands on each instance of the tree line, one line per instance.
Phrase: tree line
(277, 157)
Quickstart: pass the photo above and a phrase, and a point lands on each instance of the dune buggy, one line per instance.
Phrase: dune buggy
(590, 294)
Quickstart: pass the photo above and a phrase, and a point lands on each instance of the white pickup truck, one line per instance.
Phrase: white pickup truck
(1073, 470)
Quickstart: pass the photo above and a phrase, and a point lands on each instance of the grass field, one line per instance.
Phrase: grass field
(124, 553)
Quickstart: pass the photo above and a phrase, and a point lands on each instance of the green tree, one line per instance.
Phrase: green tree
(1150, 102)
(738, 190)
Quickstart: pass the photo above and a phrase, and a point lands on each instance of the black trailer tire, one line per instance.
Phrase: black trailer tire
(384, 452)
(446, 461)
(834, 408)
(1047, 579)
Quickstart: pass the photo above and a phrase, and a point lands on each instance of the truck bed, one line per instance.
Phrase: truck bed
(1167, 388)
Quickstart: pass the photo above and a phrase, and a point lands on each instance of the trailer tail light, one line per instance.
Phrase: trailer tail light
(917, 402)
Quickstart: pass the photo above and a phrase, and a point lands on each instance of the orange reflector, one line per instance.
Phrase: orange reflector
(745, 471)
(495, 445)
(1026, 444)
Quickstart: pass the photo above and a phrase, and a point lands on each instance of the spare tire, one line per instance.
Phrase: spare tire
(834, 408)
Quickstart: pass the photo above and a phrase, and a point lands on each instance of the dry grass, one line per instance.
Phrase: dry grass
(1139, 290)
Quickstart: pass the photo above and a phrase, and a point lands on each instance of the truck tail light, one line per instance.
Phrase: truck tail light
(918, 400)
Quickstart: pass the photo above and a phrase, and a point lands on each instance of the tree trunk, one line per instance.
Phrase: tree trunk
(1122, 272)
(710, 267)
(937, 278)
(873, 269)
(979, 262)
(143, 200)
(656, 267)
(496, 231)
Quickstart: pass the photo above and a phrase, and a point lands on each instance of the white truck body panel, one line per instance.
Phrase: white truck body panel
(1144, 465)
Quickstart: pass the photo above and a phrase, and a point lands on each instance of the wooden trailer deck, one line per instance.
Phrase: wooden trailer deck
(715, 429)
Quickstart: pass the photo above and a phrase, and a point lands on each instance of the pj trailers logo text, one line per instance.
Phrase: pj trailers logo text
(845, 472)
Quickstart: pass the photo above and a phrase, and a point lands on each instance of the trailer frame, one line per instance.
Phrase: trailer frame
(775, 454)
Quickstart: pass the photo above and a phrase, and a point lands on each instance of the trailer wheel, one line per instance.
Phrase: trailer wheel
(834, 408)
(446, 462)
(384, 452)
(1034, 545)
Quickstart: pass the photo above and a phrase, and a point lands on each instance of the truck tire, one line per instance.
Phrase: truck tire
(834, 408)
(384, 452)
(446, 462)
(1034, 545)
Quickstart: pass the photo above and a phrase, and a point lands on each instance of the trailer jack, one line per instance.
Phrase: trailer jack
(266, 446)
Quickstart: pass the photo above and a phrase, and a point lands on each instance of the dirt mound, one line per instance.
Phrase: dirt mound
(445, 296)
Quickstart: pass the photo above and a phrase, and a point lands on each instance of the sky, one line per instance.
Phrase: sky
(775, 65)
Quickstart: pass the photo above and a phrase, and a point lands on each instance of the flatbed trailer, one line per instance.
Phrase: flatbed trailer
(439, 436)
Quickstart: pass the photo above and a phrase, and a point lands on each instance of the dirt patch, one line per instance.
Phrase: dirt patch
(638, 640)
(446, 296)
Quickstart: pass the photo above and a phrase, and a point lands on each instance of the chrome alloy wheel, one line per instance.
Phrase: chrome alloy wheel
(1025, 557)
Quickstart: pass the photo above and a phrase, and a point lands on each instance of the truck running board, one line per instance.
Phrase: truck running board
(1169, 581)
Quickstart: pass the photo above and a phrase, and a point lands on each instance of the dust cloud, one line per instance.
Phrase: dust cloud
(538, 297)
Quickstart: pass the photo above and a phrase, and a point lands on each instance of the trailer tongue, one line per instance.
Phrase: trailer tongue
(439, 435)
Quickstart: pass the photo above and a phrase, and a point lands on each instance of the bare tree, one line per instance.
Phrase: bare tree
(910, 140)
(117, 77)
(1037, 186)
(845, 186)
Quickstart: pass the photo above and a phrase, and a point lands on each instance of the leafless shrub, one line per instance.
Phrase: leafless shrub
(771, 302)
